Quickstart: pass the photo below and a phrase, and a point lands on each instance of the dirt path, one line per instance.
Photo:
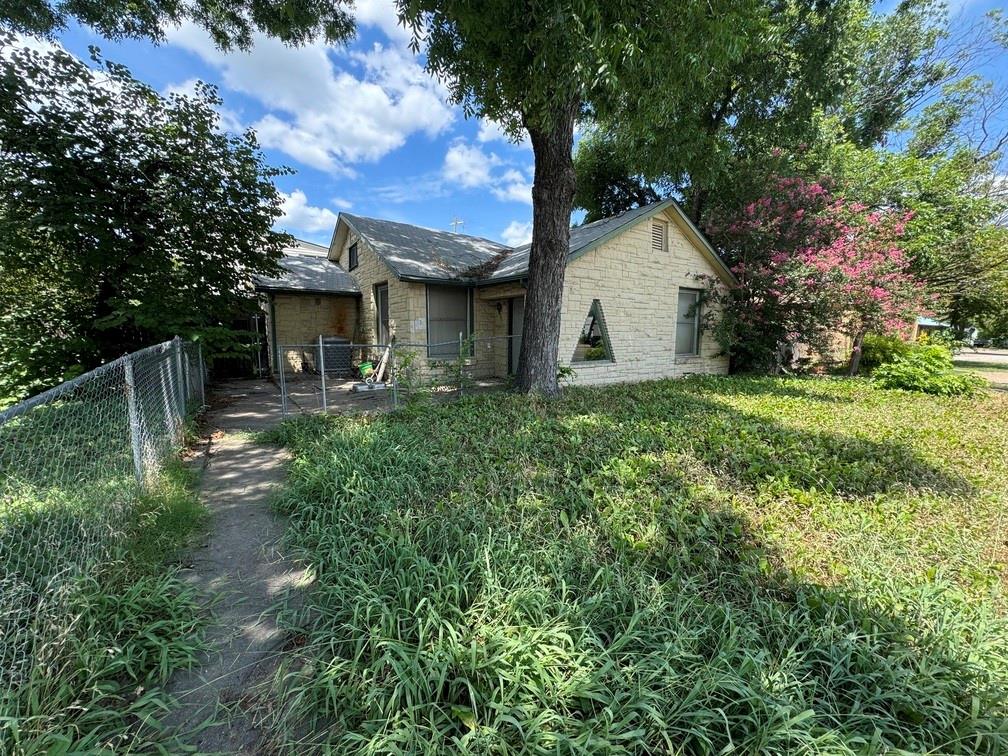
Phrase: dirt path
(238, 567)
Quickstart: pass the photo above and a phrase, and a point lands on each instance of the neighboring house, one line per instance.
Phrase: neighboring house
(628, 311)
(925, 326)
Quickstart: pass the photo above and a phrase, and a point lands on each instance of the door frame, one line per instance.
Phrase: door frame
(512, 358)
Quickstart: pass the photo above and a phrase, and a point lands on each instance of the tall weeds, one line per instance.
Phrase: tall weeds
(606, 575)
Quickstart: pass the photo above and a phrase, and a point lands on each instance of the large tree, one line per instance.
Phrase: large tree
(540, 66)
(231, 24)
(125, 217)
(740, 107)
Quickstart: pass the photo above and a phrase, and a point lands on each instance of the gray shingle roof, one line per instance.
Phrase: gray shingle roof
(309, 271)
(426, 254)
(415, 253)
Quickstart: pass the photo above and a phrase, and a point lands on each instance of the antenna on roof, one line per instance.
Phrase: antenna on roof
(456, 223)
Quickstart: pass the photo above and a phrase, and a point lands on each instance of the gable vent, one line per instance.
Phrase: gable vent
(658, 230)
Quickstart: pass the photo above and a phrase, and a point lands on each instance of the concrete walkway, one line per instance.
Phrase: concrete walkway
(239, 569)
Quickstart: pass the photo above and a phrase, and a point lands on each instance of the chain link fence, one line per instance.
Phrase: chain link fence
(331, 374)
(73, 461)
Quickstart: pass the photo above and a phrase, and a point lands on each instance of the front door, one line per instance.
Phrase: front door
(516, 321)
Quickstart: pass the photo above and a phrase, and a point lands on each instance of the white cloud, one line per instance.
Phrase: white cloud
(492, 131)
(468, 166)
(513, 187)
(341, 203)
(517, 233)
(382, 15)
(326, 115)
(298, 215)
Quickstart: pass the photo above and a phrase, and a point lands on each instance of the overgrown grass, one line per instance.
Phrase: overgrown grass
(94, 686)
(709, 565)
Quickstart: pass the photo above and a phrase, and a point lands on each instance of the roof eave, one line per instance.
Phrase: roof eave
(657, 208)
(290, 290)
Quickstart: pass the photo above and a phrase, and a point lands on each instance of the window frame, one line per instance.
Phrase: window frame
(600, 320)
(698, 304)
(470, 318)
(353, 256)
(378, 316)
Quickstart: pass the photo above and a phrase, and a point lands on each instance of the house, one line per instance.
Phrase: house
(629, 310)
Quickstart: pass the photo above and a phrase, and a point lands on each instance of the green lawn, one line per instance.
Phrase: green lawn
(689, 566)
(996, 375)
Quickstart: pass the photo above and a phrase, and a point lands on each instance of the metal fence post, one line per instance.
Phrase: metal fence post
(321, 362)
(202, 375)
(393, 377)
(283, 385)
(134, 421)
(180, 377)
(461, 365)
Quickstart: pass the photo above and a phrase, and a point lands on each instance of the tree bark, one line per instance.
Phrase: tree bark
(855, 355)
(552, 204)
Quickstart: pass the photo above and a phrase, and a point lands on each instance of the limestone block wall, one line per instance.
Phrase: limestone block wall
(638, 289)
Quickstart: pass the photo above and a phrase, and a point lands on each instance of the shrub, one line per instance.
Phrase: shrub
(596, 353)
(927, 368)
(880, 350)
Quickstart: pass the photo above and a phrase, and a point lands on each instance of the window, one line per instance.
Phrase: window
(687, 336)
(593, 343)
(449, 313)
(352, 253)
(659, 234)
(381, 313)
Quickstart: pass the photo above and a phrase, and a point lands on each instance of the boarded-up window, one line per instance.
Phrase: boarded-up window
(687, 339)
(659, 235)
(449, 314)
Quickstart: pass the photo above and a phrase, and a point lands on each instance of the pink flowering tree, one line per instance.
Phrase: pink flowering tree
(809, 266)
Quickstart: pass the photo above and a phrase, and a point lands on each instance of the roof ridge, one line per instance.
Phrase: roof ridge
(428, 228)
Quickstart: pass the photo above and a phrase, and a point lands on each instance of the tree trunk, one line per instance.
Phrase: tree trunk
(552, 204)
(855, 355)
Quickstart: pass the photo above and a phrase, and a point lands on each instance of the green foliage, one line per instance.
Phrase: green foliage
(897, 62)
(695, 566)
(879, 349)
(927, 368)
(230, 24)
(606, 184)
(97, 686)
(702, 135)
(596, 353)
(126, 219)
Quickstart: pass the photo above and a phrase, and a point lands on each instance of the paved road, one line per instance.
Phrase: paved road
(996, 358)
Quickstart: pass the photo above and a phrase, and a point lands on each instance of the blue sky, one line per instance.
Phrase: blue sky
(364, 127)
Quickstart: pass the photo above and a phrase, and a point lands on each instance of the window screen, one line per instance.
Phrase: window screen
(381, 307)
(449, 313)
(353, 256)
(688, 322)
